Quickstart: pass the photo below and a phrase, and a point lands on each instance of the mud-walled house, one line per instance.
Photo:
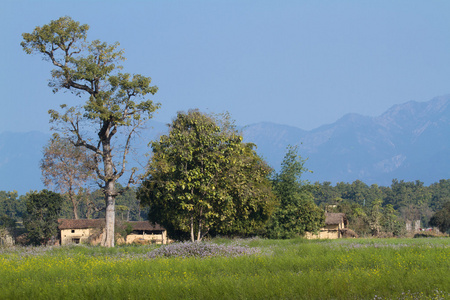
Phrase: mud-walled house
(91, 231)
(335, 227)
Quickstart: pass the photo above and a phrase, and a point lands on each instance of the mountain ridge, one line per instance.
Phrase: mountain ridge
(406, 142)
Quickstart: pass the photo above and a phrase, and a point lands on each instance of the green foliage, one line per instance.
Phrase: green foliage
(375, 217)
(391, 222)
(90, 68)
(41, 220)
(123, 228)
(7, 222)
(296, 212)
(440, 194)
(203, 179)
(12, 207)
(441, 219)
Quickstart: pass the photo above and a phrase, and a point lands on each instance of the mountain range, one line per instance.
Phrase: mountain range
(407, 142)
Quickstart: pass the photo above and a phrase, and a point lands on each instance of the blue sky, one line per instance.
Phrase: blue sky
(298, 63)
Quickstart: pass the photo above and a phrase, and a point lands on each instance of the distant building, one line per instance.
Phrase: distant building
(335, 227)
(91, 231)
(6, 239)
(409, 225)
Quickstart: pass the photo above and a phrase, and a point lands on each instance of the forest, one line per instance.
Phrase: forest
(370, 210)
(375, 210)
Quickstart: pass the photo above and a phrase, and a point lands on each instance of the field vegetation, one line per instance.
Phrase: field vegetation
(232, 269)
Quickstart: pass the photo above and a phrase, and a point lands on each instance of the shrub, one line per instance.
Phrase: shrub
(201, 250)
(427, 234)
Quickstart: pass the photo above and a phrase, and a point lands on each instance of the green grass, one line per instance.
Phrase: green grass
(285, 269)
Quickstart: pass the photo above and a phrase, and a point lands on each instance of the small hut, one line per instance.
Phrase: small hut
(335, 225)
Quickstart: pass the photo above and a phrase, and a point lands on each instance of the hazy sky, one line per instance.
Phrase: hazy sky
(299, 63)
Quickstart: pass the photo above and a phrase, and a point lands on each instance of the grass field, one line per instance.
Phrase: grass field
(233, 269)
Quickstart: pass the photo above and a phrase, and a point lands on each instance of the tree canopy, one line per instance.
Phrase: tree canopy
(202, 178)
(296, 212)
(115, 103)
(441, 218)
(41, 220)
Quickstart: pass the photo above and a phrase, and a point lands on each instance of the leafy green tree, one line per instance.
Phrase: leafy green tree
(12, 206)
(440, 192)
(202, 178)
(441, 219)
(324, 193)
(41, 220)
(356, 216)
(115, 105)
(375, 217)
(296, 212)
(390, 221)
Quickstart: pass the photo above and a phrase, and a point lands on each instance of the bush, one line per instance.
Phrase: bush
(201, 250)
(427, 234)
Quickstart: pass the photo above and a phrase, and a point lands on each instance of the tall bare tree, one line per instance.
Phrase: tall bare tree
(67, 168)
(115, 102)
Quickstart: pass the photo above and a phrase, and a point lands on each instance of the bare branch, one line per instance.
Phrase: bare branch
(127, 149)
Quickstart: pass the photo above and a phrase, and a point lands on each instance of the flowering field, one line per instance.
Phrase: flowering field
(232, 269)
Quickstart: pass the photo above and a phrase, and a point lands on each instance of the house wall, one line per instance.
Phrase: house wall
(6, 241)
(156, 238)
(69, 236)
(327, 232)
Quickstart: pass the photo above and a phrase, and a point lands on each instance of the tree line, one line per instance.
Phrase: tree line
(285, 201)
(374, 209)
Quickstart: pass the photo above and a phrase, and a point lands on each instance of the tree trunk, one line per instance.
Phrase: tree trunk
(109, 190)
(199, 233)
(75, 212)
(192, 229)
(74, 203)
(139, 210)
(110, 220)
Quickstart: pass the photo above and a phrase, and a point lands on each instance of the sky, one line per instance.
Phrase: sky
(297, 63)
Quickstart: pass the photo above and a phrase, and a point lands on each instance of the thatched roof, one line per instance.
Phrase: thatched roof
(144, 225)
(335, 218)
(80, 223)
(100, 223)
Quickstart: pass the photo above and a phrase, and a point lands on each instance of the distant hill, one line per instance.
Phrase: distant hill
(409, 142)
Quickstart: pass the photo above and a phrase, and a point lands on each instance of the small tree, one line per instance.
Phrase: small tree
(115, 102)
(67, 168)
(296, 212)
(441, 219)
(390, 221)
(202, 178)
(375, 217)
(41, 220)
(12, 206)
